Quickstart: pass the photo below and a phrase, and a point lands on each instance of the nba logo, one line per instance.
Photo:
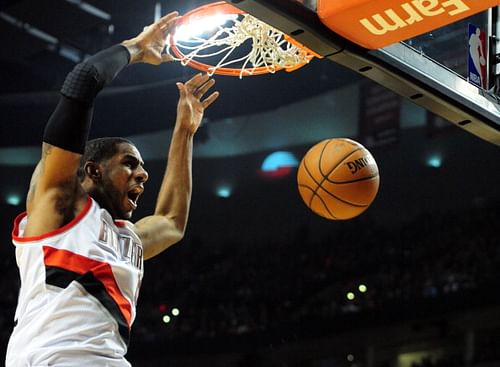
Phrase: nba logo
(476, 64)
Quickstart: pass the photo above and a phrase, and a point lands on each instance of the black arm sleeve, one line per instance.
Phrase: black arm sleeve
(68, 126)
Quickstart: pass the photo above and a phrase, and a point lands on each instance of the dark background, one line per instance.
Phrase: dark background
(259, 279)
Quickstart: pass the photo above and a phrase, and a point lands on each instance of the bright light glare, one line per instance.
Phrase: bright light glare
(166, 319)
(199, 26)
(350, 296)
(362, 288)
(435, 161)
(13, 199)
(279, 159)
(224, 192)
(175, 311)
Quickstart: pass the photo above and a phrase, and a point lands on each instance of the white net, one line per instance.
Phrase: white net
(221, 49)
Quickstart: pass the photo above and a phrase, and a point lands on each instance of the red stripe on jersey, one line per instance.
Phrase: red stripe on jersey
(120, 223)
(15, 230)
(70, 261)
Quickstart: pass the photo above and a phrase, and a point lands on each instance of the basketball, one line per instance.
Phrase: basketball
(338, 179)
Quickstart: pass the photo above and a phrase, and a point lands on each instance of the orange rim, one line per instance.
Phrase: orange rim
(222, 7)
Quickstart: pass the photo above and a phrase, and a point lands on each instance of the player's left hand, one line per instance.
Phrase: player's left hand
(191, 104)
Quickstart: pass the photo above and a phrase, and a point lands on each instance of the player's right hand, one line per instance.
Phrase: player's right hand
(149, 45)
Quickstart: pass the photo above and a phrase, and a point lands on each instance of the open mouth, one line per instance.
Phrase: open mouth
(133, 197)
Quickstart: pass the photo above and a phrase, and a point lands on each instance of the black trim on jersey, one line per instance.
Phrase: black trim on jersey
(62, 278)
(59, 277)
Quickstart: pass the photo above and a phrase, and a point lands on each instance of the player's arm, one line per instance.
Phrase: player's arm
(168, 223)
(55, 194)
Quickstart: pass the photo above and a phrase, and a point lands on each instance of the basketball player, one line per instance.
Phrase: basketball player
(80, 259)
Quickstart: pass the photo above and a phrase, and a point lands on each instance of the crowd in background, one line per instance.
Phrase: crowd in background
(243, 288)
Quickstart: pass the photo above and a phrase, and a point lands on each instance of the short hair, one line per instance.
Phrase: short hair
(99, 150)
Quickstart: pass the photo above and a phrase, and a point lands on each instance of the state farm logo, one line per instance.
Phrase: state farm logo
(411, 13)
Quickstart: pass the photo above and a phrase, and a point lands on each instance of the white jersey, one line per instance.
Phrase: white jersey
(79, 287)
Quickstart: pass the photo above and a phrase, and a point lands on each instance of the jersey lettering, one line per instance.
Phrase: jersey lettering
(126, 247)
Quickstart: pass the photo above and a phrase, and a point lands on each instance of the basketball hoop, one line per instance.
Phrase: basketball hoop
(234, 43)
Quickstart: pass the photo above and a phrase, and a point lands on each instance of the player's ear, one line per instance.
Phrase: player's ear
(92, 170)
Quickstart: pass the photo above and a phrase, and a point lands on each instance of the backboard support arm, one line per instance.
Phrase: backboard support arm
(398, 67)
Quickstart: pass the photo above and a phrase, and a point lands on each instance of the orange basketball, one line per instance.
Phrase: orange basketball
(338, 179)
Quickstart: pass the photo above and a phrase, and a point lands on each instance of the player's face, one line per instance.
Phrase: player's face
(123, 181)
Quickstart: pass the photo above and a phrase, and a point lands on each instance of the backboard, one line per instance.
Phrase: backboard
(451, 71)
